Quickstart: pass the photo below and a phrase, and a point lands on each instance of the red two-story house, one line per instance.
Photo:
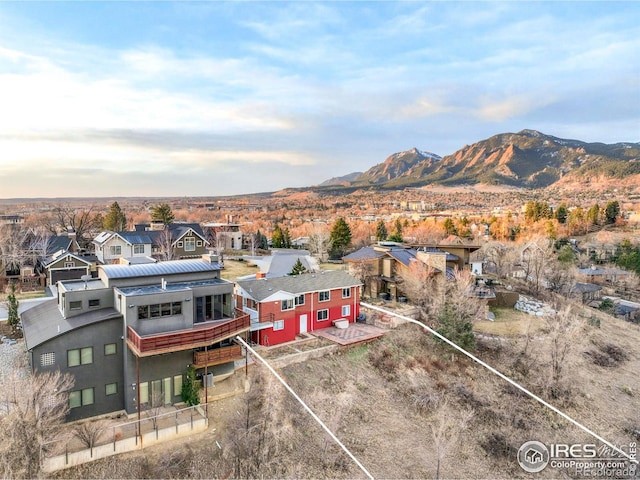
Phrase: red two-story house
(283, 307)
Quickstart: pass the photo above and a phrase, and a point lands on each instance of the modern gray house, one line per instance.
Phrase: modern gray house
(129, 335)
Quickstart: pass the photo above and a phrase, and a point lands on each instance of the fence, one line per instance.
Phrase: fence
(129, 436)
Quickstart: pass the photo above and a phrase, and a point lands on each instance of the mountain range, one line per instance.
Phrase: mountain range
(527, 159)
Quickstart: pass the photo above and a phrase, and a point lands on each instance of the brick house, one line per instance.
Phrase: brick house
(281, 308)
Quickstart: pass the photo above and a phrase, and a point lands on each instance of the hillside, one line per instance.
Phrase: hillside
(527, 159)
(394, 401)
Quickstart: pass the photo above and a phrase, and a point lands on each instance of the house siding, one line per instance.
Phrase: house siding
(104, 369)
(270, 311)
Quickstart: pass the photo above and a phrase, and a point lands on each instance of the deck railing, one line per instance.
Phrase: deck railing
(217, 356)
(198, 336)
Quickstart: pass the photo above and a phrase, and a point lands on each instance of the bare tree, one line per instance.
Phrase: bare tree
(534, 258)
(565, 330)
(320, 242)
(445, 431)
(90, 433)
(500, 257)
(32, 411)
(155, 407)
(423, 286)
(165, 244)
(81, 221)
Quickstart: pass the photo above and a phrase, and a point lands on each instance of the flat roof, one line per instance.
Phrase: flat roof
(171, 287)
(76, 285)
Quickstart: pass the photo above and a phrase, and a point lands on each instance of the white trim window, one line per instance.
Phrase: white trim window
(69, 264)
(300, 300)
(286, 304)
(322, 315)
(138, 248)
(346, 292)
(346, 310)
(278, 325)
(189, 244)
(324, 296)
(115, 250)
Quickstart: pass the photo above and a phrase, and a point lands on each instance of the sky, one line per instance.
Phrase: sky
(209, 98)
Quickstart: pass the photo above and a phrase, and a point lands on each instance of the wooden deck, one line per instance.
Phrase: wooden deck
(355, 333)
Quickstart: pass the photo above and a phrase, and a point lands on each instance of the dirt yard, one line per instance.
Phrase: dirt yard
(398, 403)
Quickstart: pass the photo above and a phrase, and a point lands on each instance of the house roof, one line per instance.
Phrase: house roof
(179, 230)
(260, 289)
(44, 322)
(161, 268)
(365, 253)
(281, 262)
(56, 243)
(585, 288)
(62, 253)
(602, 271)
(403, 255)
(137, 237)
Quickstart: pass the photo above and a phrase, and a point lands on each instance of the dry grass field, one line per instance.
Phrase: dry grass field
(398, 403)
(509, 322)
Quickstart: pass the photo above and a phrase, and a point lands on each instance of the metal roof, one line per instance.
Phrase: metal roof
(262, 288)
(44, 322)
(171, 267)
(173, 287)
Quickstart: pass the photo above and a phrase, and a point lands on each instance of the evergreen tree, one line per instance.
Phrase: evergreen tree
(262, 241)
(13, 318)
(450, 227)
(381, 231)
(340, 238)
(562, 213)
(277, 237)
(190, 390)
(298, 268)
(115, 220)
(611, 211)
(593, 215)
(286, 238)
(162, 213)
(456, 327)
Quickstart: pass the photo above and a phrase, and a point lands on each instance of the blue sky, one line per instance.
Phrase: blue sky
(218, 98)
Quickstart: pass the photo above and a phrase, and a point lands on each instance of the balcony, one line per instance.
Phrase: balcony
(217, 356)
(200, 335)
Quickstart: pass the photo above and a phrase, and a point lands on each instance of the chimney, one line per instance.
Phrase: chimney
(210, 258)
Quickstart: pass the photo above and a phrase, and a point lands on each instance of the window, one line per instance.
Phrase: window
(199, 243)
(144, 392)
(75, 399)
(77, 305)
(177, 384)
(278, 325)
(346, 292)
(79, 356)
(159, 310)
(94, 302)
(346, 310)
(179, 244)
(87, 396)
(69, 264)
(115, 250)
(111, 389)
(190, 244)
(323, 296)
(47, 359)
(138, 248)
(287, 304)
(79, 398)
(110, 348)
(322, 315)
(300, 299)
